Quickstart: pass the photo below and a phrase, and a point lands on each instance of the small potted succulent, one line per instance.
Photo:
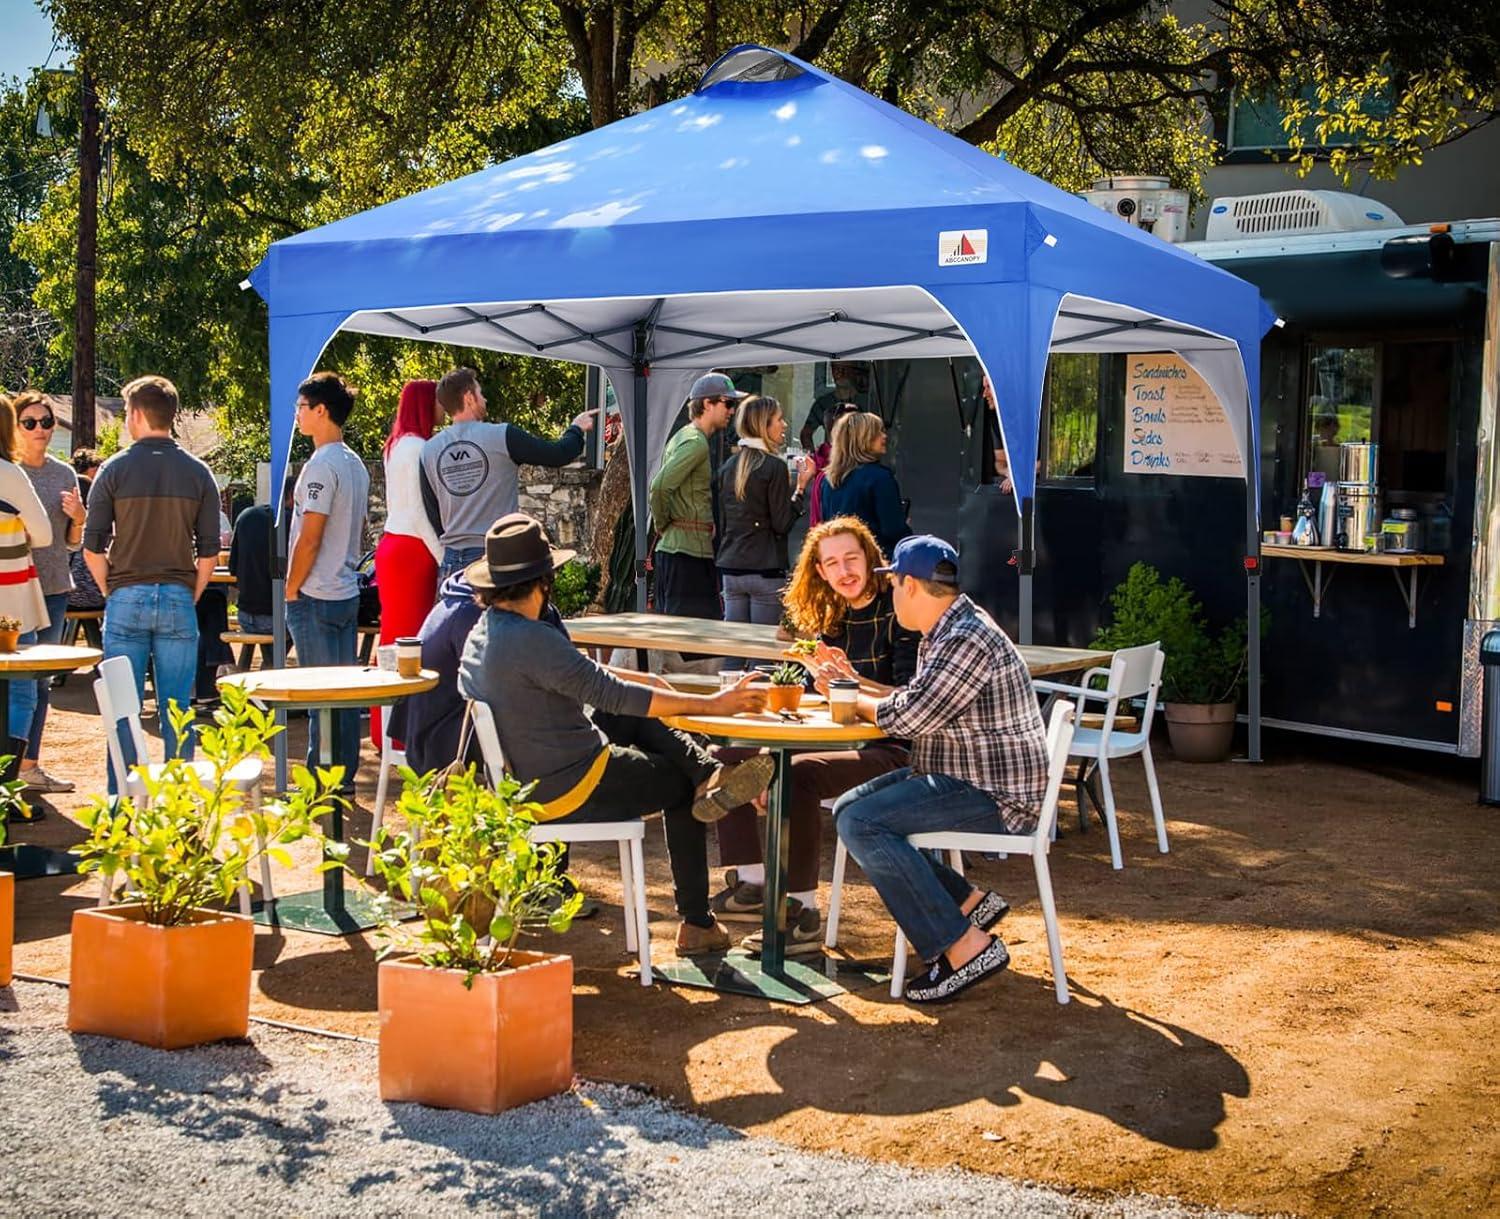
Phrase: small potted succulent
(468, 1020)
(787, 683)
(10, 633)
(168, 967)
(10, 802)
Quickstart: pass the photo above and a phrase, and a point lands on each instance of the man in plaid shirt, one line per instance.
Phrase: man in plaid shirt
(978, 763)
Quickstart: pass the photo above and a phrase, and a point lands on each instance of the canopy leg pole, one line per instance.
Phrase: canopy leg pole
(278, 630)
(639, 464)
(1252, 612)
(1025, 562)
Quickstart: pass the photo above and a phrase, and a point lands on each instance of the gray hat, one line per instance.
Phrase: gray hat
(515, 550)
(714, 385)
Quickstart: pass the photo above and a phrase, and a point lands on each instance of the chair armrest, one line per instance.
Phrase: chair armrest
(1057, 687)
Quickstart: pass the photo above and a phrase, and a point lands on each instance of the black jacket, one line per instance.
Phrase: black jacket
(755, 528)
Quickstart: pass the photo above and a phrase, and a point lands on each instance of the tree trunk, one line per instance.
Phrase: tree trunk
(84, 277)
(614, 494)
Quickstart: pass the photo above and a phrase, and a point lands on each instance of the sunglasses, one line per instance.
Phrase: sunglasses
(46, 423)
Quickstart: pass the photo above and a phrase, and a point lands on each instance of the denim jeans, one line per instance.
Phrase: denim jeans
(21, 702)
(155, 623)
(323, 634)
(922, 893)
(57, 610)
(456, 558)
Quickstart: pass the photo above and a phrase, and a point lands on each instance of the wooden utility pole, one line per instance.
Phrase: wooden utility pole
(84, 314)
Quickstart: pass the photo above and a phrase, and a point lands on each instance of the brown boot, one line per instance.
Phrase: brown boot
(694, 941)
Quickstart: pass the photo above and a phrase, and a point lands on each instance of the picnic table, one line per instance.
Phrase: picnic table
(749, 641)
(33, 661)
(325, 689)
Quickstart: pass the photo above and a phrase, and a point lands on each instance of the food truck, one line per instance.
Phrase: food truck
(1386, 357)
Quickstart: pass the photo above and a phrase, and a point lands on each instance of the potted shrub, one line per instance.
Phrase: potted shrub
(168, 968)
(467, 1019)
(10, 633)
(1203, 673)
(787, 683)
(10, 802)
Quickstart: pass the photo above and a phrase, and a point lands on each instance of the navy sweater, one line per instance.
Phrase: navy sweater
(870, 493)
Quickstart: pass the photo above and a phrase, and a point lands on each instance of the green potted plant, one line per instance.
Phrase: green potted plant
(168, 967)
(10, 802)
(468, 1020)
(10, 633)
(787, 683)
(1202, 674)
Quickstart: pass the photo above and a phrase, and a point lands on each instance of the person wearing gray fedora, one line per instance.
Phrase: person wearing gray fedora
(539, 687)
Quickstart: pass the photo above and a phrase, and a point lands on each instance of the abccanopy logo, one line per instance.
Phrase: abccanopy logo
(963, 247)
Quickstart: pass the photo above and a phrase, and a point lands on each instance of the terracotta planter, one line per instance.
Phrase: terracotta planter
(505, 1042)
(10, 641)
(166, 987)
(7, 925)
(1200, 732)
(783, 698)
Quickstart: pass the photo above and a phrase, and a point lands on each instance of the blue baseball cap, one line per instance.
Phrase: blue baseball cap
(923, 556)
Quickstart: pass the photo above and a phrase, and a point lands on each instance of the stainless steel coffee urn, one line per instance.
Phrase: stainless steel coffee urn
(1358, 512)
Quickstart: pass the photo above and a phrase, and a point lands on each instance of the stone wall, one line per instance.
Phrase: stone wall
(563, 500)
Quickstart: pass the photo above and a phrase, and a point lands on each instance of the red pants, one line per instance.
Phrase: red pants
(406, 577)
(815, 777)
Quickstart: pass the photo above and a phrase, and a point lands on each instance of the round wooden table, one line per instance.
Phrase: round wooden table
(325, 689)
(222, 575)
(815, 730)
(32, 662)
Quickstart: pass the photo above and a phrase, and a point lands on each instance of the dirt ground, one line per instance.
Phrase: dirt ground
(1294, 1011)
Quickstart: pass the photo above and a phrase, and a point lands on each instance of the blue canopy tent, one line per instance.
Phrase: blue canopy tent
(776, 215)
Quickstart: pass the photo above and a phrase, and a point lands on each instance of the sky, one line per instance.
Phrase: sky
(25, 39)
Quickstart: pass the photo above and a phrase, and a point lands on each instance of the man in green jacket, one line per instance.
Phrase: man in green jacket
(687, 583)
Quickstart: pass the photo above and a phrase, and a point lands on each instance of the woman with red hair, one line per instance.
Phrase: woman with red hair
(407, 555)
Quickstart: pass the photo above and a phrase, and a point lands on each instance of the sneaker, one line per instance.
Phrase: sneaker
(739, 901)
(942, 982)
(991, 909)
(804, 932)
(695, 941)
(738, 784)
(38, 780)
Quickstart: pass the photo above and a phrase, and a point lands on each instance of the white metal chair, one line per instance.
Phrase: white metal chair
(630, 835)
(1133, 673)
(1035, 844)
(120, 708)
(390, 757)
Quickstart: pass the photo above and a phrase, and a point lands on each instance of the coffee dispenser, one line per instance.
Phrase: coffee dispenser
(1358, 497)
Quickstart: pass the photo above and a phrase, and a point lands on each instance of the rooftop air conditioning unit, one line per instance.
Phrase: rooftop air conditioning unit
(1286, 213)
(1147, 203)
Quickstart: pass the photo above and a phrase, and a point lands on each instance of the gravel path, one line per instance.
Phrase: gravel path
(291, 1122)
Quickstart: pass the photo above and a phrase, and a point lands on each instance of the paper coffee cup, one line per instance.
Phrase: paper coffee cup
(843, 695)
(409, 656)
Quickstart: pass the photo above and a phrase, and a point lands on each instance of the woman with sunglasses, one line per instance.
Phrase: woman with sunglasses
(56, 486)
(24, 524)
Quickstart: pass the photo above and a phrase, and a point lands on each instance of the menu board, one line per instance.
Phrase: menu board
(1173, 422)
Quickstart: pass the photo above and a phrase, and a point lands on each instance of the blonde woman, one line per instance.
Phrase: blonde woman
(23, 524)
(759, 507)
(856, 484)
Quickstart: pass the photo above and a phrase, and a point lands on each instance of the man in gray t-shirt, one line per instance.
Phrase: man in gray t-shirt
(328, 522)
(469, 469)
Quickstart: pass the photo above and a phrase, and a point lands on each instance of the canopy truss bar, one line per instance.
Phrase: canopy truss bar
(579, 333)
(916, 332)
(884, 343)
(401, 321)
(1115, 326)
(791, 328)
(476, 316)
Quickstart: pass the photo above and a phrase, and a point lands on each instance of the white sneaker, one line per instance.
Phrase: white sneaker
(38, 780)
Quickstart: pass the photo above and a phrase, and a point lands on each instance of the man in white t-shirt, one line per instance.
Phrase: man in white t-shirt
(328, 523)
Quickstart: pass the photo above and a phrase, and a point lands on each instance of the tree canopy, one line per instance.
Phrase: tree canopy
(233, 123)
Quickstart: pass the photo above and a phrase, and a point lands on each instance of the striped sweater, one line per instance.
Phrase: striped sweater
(23, 524)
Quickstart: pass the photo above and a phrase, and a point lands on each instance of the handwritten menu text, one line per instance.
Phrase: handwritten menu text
(1173, 422)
